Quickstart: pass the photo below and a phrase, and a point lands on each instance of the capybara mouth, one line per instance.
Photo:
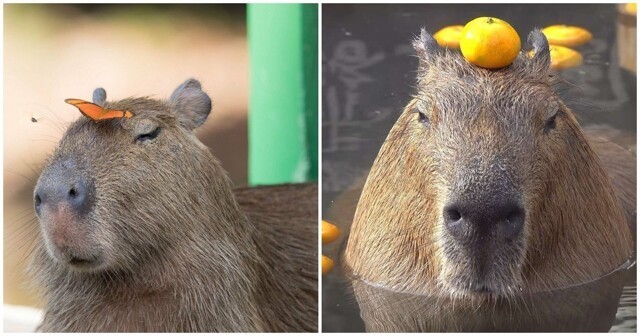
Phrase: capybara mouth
(480, 288)
(472, 272)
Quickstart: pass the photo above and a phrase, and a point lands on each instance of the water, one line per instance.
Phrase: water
(368, 77)
(626, 318)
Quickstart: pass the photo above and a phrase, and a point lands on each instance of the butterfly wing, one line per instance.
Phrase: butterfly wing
(96, 112)
(110, 114)
(90, 110)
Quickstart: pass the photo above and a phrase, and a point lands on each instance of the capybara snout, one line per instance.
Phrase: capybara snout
(484, 198)
(63, 186)
(475, 220)
(63, 200)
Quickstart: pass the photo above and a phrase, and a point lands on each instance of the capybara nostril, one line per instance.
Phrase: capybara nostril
(477, 218)
(37, 202)
(514, 222)
(452, 219)
(77, 196)
(452, 214)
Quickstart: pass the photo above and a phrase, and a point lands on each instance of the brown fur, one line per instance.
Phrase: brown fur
(180, 250)
(484, 127)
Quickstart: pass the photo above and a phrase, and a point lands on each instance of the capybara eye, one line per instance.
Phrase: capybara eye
(148, 136)
(550, 124)
(423, 118)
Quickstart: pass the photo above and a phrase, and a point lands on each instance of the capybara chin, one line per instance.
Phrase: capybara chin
(142, 231)
(486, 192)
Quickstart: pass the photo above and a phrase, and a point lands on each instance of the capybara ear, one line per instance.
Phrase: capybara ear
(99, 96)
(541, 59)
(426, 47)
(190, 104)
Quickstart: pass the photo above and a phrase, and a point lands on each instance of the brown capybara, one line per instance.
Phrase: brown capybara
(142, 231)
(487, 209)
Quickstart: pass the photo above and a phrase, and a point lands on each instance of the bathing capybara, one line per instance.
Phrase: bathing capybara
(487, 208)
(142, 231)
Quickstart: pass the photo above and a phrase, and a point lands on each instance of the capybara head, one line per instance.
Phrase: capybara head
(116, 191)
(486, 186)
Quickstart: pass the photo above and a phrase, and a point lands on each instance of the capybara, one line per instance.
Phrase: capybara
(142, 231)
(488, 209)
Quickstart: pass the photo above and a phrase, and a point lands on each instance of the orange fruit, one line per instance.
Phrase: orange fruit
(631, 8)
(489, 43)
(330, 232)
(563, 57)
(568, 36)
(327, 264)
(449, 37)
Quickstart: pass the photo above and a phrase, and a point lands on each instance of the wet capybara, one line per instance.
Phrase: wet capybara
(142, 231)
(487, 209)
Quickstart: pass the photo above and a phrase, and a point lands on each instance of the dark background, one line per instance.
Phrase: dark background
(368, 77)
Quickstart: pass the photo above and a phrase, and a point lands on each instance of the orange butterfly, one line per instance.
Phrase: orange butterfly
(96, 112)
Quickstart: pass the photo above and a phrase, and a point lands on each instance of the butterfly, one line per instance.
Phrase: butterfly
(97, 112)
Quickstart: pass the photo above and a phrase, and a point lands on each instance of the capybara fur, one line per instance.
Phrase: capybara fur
(485, 198)
(142, 231)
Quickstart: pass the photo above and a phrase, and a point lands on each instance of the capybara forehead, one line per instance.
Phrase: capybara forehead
(85, 134)
(87, 127)
(465, 97)
(141, 107)
(460, 90)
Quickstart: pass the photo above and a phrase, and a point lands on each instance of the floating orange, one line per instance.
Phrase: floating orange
(449, 37)
(568, 36)
(330, 232)
(489, 43)
(563, 57)
(327, 264)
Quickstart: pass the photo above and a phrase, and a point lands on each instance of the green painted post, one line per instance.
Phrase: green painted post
(310, 46)
(283, 104)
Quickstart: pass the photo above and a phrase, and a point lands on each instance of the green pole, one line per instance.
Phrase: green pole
(283, 104)
(310, 44)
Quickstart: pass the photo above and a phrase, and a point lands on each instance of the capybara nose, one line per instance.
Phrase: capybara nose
(63, 186)
(466, 220)
(75, 195)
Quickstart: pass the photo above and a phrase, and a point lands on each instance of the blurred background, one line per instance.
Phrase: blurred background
(261, 130)
(369, 74)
